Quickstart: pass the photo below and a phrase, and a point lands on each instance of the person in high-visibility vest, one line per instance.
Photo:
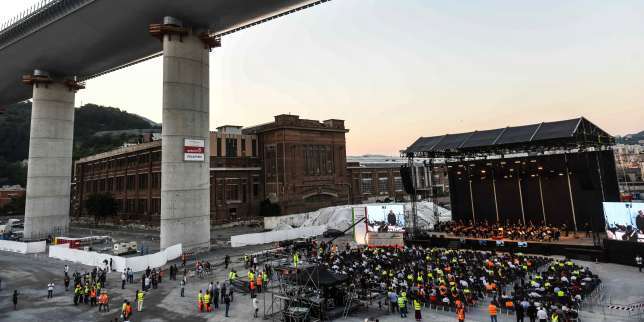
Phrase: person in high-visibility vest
(417, 307)
(296, 259)
(402, 307)
(206, 301)
(460, 312)
(259, 283)
(492, 309)
(77, 293)
(265, 278)
(139, 301)
(200, 301)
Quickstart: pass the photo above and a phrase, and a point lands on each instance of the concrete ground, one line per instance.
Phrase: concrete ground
(31, 273)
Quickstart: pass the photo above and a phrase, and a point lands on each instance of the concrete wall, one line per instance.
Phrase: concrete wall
(137, 263)
(23, 248)
(50, 161)
(185, 185)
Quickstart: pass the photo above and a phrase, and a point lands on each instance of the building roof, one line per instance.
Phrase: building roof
(573, 133)
(119, 151)
(288, 121)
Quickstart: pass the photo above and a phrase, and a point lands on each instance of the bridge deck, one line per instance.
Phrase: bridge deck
(86, 38)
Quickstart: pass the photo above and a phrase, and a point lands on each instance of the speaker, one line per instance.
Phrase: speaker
(407, 180)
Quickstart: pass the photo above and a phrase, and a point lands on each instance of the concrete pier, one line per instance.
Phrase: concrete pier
(185, 183)
(50, 161)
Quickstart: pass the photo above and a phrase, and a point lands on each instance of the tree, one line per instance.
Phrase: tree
(269, 209)
(101, 205)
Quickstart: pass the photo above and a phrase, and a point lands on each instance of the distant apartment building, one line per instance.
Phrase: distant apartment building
(629, 159)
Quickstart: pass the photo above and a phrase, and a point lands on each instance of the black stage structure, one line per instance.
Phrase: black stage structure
(551, 172)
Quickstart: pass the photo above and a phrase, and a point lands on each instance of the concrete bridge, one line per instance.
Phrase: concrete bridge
(48, 51)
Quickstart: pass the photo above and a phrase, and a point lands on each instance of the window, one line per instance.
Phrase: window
(243, 147)
(101, 185)
(219, 192)
(253, 145)
(119, 183)
(383, 185)
(142, 206)
(155, 206)
(255, 187)
(366, 185)
(318, 160)
(271, 166)
(156, 180)
(231, 148)
(218, 147)
(110, 184)
(156, 156)
(143, 181)
(131, 180)
(398, 185)
(143, 159)
(130, 206)
(232, 190)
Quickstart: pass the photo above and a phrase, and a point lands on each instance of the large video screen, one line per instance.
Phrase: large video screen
(624, 221)
(386, 218)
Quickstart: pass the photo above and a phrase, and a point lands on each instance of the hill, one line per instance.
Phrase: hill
(90, 118)
(630, 138)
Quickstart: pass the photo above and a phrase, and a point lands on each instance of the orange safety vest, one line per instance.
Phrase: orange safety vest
(460, 313)
(252, 285)
(492, 309)
(259, 280)
(92, 293)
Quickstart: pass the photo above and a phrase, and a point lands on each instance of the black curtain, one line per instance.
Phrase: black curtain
(459, 195)
(484, 207)
(531, 200)
(508, 199)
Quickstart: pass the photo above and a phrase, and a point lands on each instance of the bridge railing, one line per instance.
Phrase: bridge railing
(26, 14)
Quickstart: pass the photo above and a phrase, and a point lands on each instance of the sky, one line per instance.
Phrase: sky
(398, 70)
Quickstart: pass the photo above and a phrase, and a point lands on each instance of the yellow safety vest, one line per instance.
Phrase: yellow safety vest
(401, 302)
(417, 305)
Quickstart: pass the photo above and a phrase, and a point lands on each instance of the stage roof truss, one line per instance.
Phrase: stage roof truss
(566, 135)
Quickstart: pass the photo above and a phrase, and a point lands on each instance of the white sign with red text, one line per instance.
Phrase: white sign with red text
(194, 150)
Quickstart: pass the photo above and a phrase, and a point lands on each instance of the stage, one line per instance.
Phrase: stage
(578, 239)
(576, 247)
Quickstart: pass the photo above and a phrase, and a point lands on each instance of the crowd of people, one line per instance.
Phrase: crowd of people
(530, 232)
(409, 278)
(454, 279)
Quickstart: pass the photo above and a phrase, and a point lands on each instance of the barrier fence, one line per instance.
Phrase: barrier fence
(23, 248)
(137, 263)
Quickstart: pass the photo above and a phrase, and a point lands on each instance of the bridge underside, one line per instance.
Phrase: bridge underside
(91, 37)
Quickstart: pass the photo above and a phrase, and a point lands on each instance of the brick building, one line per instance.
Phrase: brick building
(299, 164)
(377, 178)
(7, 193)
(303, 162)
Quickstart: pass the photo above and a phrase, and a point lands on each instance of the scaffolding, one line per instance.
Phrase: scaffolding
(295, 294)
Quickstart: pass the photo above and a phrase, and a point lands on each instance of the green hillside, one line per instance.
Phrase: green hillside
(89, 119)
